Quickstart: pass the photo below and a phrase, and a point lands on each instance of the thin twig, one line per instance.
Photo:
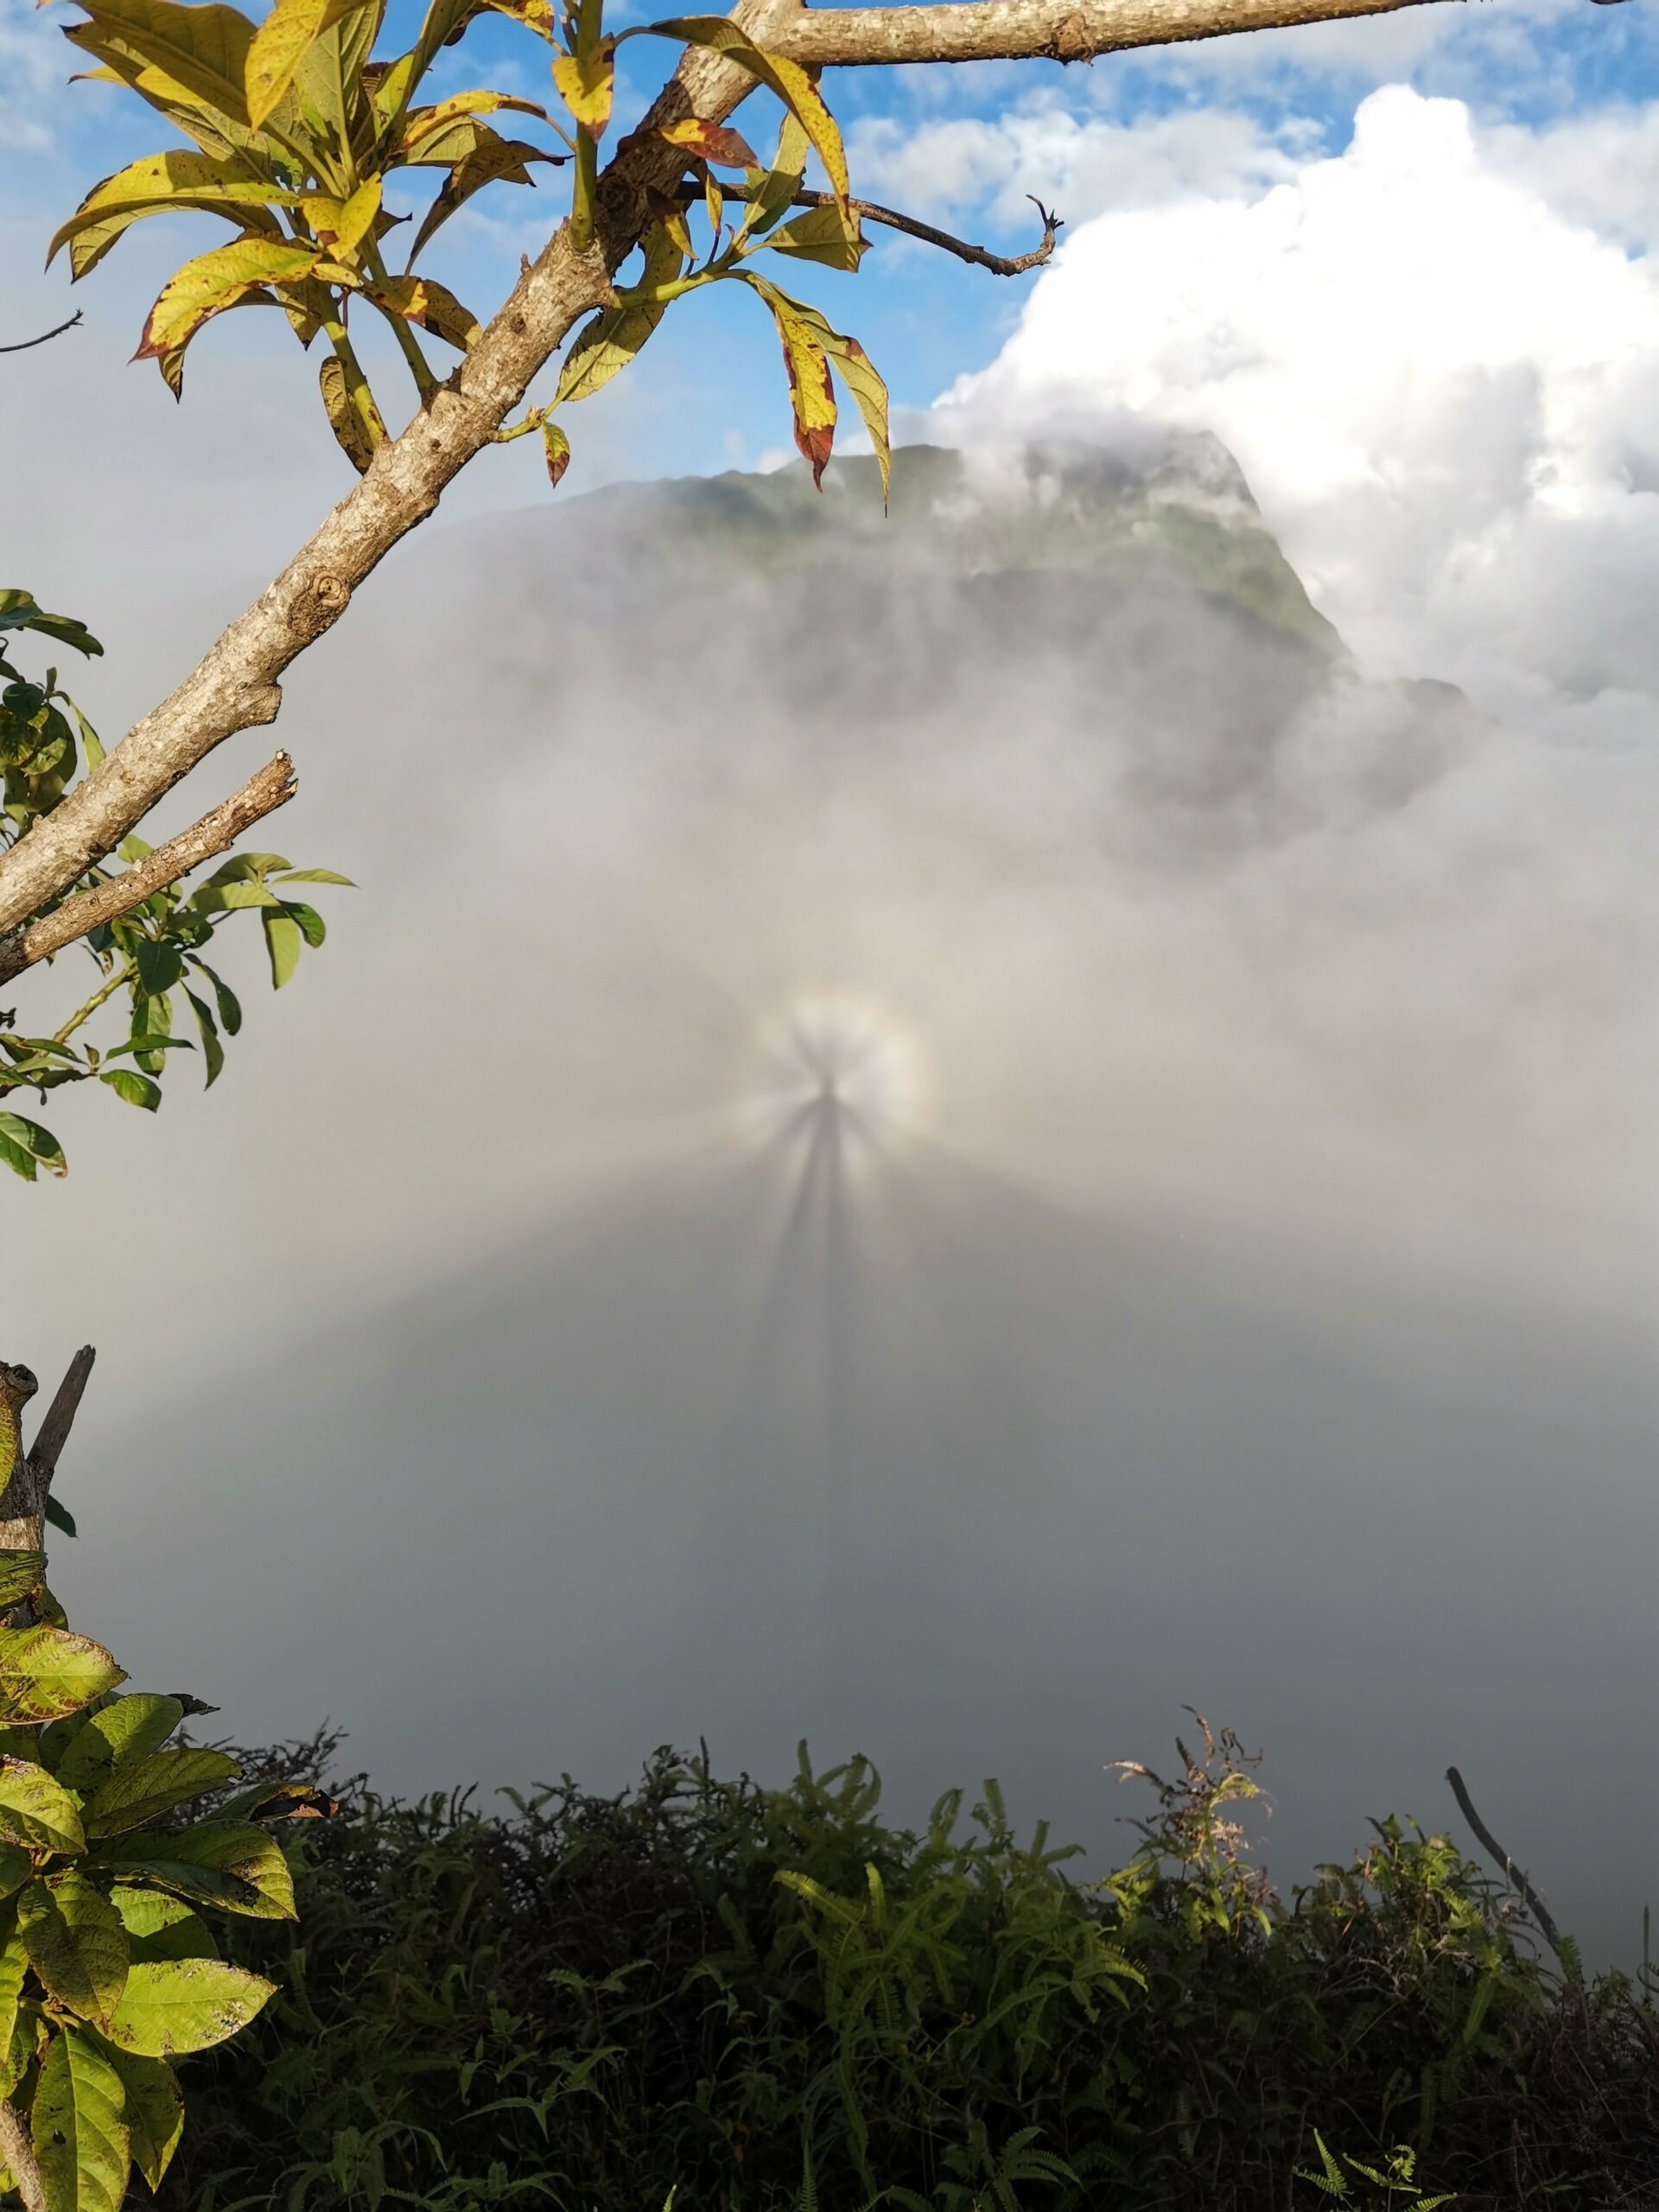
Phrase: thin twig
(1000, 265)
(19, 2154)
(24, 344)
(263, 794)
(1512, 1873)
(53, 1432)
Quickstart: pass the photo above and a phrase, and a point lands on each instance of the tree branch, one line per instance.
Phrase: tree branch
(22, 1503)
(48, 1447)
(1026, 30)
(263, 794)
(1512, 1873)
(235, 687)
(18, 2151)
(1000, 265)
(24, 344)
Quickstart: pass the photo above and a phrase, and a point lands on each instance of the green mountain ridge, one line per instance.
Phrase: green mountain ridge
(1181, 512)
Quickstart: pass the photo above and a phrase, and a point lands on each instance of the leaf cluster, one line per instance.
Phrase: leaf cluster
(153, 961)
(108, 1973)
(767, 2000)
(300, 131)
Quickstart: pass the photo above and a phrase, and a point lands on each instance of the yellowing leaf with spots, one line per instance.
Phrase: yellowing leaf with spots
(177, 2005)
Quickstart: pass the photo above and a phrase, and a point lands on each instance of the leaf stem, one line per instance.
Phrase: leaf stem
(96, 1001)
(426, 382)
(357, 384)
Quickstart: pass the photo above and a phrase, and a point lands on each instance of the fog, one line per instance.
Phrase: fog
(927, 1136)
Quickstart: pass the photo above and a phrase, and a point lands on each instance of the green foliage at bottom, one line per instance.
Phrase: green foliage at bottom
(758, 1998)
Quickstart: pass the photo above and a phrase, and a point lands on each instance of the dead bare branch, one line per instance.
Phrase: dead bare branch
(53, 1434)
(263, 794)
(1512, 1874)
(23, 345)
(999, 264)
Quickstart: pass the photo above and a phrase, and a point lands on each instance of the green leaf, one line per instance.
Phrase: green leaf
(119, 1736)
(228, 897)
(230, 1007)
(160, 966)
(14, 1966)
(59, 1515)
(135, 1793)
(318, 875)
(75, 1942)
(33, 1146)
(174, 2006)
(20, 1575)
(823, 234)
(283, 942)
(36, 1811)
(18, 611)
(228, 1864)
(161, 1926)
(81, 2139)
(154, 2111)
(212, 1051)
(15, 1866)
(46, 1673)
(313, 928)
(137, 1090)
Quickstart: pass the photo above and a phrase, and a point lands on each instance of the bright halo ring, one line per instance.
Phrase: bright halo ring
(841, 1058)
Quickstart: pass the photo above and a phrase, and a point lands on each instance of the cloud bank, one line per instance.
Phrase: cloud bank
(1442, 383)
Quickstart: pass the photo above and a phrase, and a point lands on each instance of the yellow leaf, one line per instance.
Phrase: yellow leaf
(607, 345)
(340, 227)
(711, 142)
(159, 184)
(422, 123)
(430, 306)
(852, 363)
(209, 284)
(357, 438)
(279, 45)
(202, 48)
(787, 78)
(586, 87)
(557, 446)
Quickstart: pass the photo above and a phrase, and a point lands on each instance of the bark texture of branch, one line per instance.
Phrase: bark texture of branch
(18, 2150)
(215, 833)
(22, 1503)
(1029, 30)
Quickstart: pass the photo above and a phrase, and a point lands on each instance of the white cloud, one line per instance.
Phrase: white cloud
(1079, 164)
(1443, 384)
